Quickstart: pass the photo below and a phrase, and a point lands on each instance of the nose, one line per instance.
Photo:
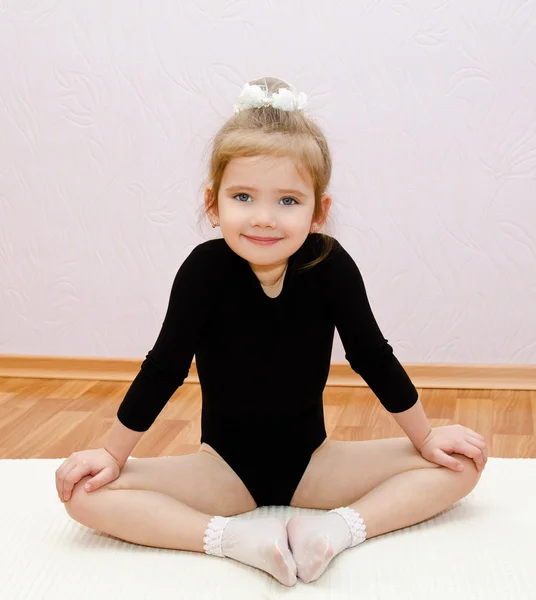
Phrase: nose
(263, 218)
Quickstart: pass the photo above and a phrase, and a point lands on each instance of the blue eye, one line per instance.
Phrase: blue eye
(285, 198)
(290, 198)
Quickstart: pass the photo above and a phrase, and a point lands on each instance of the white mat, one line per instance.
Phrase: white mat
(482, 548)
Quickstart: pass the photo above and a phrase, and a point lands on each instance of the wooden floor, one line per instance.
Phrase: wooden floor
(46, 418)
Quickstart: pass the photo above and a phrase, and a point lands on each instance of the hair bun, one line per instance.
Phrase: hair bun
(269, 91)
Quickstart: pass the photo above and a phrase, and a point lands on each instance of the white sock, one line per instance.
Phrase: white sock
(260, 543)
(316, 540)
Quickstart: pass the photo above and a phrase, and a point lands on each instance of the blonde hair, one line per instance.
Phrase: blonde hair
(273, 132)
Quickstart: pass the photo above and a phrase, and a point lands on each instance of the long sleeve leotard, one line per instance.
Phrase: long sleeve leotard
(263, 362)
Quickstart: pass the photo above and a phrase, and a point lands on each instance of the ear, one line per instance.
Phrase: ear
(213, 212)
(326, 204)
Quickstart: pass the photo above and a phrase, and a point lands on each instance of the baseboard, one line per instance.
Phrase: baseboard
(472, 376)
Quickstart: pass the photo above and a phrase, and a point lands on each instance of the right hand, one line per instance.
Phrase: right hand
(99, 463)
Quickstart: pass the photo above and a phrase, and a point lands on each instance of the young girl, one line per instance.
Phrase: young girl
(258, 308)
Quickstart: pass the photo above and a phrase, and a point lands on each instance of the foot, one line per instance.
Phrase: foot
(263, 544)
(315, 541)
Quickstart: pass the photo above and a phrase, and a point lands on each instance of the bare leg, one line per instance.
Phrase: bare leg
(141, 517)
(154, 519)
(401, 501)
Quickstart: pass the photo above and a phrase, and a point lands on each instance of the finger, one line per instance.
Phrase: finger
(99, 480)
(476, 438)
(72, 466)
(60, 476)
(471, 451)
(476, 434)
(481, 443)
(482, 447)
(445, 460)
(73, 477)
(59, 483)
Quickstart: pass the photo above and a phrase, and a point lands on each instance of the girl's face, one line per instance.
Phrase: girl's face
(264, 196)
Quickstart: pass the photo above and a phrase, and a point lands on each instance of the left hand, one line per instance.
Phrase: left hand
(442, 441)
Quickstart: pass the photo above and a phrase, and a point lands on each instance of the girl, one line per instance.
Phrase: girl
(262, 304)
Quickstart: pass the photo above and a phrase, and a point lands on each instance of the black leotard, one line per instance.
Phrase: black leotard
(263, 362)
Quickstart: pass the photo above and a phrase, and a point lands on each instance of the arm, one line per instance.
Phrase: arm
(414, 423)
(167, 364)
(121, 441)
(366, 349)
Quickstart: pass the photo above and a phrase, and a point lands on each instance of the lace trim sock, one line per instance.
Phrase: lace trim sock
(355, 523)
(261, 543)
(316, 540)
(214, 535)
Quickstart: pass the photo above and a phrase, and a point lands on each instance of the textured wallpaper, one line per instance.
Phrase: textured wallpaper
(106, 115)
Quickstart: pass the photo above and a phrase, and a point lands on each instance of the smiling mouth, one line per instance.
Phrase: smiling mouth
(270, 241)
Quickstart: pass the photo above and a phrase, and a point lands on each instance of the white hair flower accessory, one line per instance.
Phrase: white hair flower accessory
(256, 96)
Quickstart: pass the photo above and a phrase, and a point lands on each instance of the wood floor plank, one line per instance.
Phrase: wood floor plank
(45, 418)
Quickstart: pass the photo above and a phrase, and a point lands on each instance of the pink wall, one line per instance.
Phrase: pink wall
(429, 107)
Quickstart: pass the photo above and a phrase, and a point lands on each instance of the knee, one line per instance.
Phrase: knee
(470, 474)
(78, 507)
